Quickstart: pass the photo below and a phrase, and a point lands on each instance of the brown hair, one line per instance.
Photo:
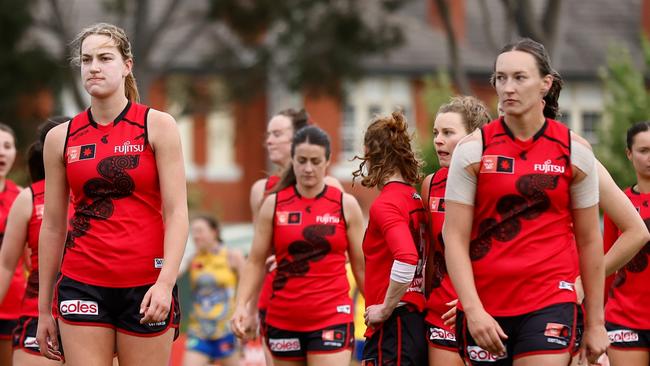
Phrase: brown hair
(388, 149)
(117, 35)
(299, 118)
(6, 128)
(310, 135)
(537, 50)
(473, 111)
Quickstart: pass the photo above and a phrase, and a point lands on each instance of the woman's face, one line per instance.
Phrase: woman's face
(7, 153)
(639, 154)
(202, 234)
(279, 133)
(448, 129)
(309, 164)
(102, 67)
(518, 83)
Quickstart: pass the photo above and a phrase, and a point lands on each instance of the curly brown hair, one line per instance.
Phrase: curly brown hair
(388, 149)
(473, 111)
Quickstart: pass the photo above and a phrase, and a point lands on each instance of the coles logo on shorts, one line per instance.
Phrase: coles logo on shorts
(284, 344)
(478, 354)
(623, 336)
(439, 334)
(289, 218)
(497, 164)
(79, 307)
(30, 342)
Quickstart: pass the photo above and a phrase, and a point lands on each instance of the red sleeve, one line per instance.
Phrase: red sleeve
(394, 224)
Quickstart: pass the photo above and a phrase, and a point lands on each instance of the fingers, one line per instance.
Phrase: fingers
(48, 342)
(145, 302)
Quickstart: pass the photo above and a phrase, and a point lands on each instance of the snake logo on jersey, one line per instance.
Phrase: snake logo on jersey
(636, 265)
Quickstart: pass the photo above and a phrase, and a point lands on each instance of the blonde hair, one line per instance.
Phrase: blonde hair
(117, 35)
(473, 111)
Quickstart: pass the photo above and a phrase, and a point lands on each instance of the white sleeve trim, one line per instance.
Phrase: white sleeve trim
(584, 193)
(461, 184)
(402, 272)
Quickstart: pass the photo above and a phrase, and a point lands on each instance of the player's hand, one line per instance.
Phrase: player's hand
(156, 303)
(47, 336)
(594, 343)
(244, 323)
(449, 317)
(486, 332)
(376, 314)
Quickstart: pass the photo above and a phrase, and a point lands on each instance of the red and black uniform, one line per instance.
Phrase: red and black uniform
(442, 290)
(115, 238)
(628, 306)
(267, 285)
(396, 232)
(10, 307)
(522, 243)
(310, 309)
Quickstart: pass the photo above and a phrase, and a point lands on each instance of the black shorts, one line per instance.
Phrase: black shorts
(399, 341)
(441, 338)
(545, 331)
(290, 345)
(626, 338)
(580, 328)
(118, 308)
(24, 336)
(262, 318)
(7, 327)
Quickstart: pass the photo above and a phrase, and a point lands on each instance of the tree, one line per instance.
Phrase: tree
(628, 102)
(437, 91)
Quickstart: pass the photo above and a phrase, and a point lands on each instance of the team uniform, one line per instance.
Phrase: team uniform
(358, 309)
(267, 285)
(396, 232)
(114, 247)
(309, 310)
(439, 335)
(628, 306)
(522, 247)
(213, 284)
(11, 305)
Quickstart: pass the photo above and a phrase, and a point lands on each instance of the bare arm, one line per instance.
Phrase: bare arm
(256, 197)
(428, 267)
(634, 233)
(13, 243)
(355, 230)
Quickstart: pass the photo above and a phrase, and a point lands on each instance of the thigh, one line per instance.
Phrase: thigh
(560, 359)
(548, 331)
(195, 358)
(23, 358)
(444, 357)
(626, 357)
(340, 358)
(87, 345)
(135, 350)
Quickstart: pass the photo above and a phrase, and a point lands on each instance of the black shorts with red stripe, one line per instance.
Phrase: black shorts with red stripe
(7, 327)
(292, 345)
(441, 338)
(24, 337)
(628, 339)
(400, 341)
(118, 308)
(546, 331)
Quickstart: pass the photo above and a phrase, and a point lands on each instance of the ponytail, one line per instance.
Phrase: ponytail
(131, 88)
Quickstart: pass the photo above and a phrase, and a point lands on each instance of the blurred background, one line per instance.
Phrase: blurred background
(223, 67)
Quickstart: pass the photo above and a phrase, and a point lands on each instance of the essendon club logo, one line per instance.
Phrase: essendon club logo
(289, 217)
(497, 164)
(83, 152)
(437, 204)
(333, 335)
(556, 330)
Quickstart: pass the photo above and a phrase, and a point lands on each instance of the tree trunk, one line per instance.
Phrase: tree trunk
(455, 61)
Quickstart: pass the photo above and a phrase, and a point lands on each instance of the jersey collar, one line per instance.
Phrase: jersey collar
(115, 121)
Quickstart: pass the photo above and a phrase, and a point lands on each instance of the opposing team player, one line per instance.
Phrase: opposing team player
(393, 247)
(311, 226)
(522, 193)
(454, 120)
(120, 164)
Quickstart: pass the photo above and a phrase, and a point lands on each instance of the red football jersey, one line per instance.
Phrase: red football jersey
(10, 307)
(629, 296)
(267, 285)
(30, 301)
(442, 290)
(523, 246)
(310, 286)
(115, 237)
(396, 231)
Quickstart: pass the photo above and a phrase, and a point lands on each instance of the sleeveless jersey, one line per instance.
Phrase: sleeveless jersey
(523, 247)
(30, 301)
(442, 290)
(398, 206)
(629, 295)
(310, 288)
(267, 285)
(213, 284)
(11, 305)
(115, 237)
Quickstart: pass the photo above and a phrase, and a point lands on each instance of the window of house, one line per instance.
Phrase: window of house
(590, 124)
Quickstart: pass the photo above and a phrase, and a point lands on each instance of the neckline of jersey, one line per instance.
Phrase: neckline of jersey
(634, 190)
(321, 194)
(536, 136)
(117, 119)
(397, 182)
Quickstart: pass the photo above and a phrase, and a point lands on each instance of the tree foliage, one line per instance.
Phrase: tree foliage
(628, 102)
(438, 90)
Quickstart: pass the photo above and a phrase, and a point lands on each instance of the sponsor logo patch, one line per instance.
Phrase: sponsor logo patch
(497, 164)
(289, 217)
(369, 362)
(556, 330)
(623, 336)
(439, 334)
(437, 204)
(79, 307)
(478, 354)
(547, 167)
(345, 309)
(127, 148)
(284, 344)
(564, 285)
(158, 262)
(328, 219)
(82, 152)
(333, 335)
(30, 342)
